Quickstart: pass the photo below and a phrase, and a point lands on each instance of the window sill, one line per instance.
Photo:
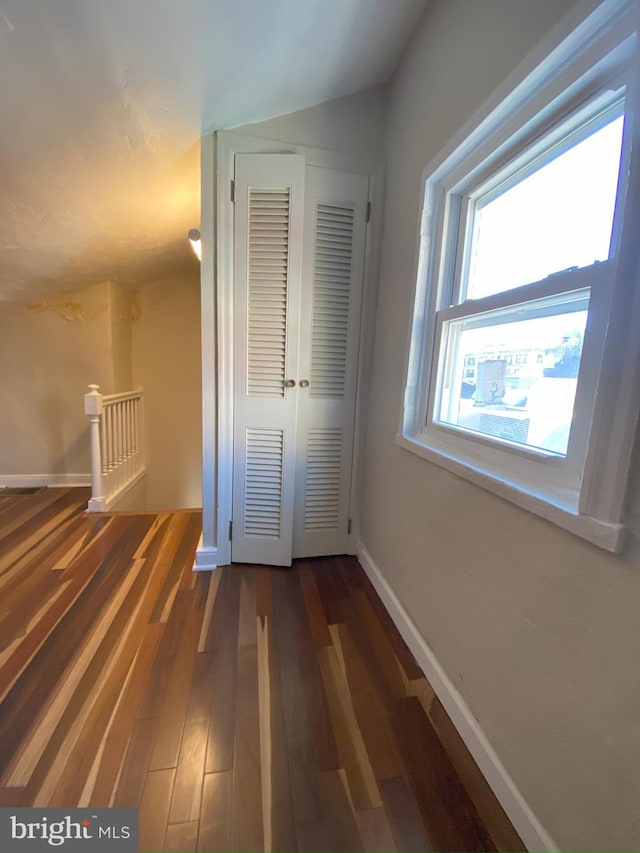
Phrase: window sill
(608, 536)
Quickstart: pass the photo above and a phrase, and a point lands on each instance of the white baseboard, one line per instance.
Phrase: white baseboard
(18, 481)
(519, 812)
(206, 558)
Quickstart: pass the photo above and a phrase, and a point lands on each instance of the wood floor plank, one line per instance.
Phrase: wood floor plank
(287, 709)
(28, 534)
(45, 555)
(447, 811)
(215, 815)
(331, 589)
(187, 790)
(277, 806)
(169, 735)
(212, 592)
(181, 837)
(61, 663)
(339, 812)
(315, 612)
(186, 549)
(119, 734)
(169, 545)
(152, 699)
(375, 831)
(222, 642)
(72, 539)
(10, 797)
(101, 535)
(386, 658)
(136, 764)
(491, 812)
(246, 804)
(264, 593)
(23, 512)
(404, 816)
(351, 746)
(154, 810)
(403, 653)
(310, 740)
(369, 710)
(79, 732)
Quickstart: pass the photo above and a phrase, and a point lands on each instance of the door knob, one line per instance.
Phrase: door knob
(304, 383)
(290, 383)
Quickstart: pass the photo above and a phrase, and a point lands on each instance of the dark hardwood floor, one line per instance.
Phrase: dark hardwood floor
(248, 709)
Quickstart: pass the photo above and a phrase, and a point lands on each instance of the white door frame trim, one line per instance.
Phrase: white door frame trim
(218, 320)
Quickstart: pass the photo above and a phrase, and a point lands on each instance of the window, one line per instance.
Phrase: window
(525, 257)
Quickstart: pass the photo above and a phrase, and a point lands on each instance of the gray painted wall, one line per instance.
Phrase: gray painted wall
(538, 630)
(353, 124)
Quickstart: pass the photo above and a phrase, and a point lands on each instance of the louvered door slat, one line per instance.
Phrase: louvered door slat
(331, 299)
(264, 463)
(322, 481)
(268, 256)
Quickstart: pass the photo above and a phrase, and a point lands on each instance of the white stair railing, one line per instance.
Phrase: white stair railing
(117, 444)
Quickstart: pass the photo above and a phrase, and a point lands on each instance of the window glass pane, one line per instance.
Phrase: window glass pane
(559, 216)
(515, 379)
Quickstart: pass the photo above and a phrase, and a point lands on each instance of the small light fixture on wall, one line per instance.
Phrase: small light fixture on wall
(196, 242)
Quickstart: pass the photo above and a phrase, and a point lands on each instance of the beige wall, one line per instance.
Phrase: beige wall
(49, 353)
(537, 629)
(167, 364)
(121, 312)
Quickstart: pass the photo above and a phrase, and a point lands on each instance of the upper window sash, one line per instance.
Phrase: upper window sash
(515, 167)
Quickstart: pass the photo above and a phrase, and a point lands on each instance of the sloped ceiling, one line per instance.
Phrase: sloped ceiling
(103, 102)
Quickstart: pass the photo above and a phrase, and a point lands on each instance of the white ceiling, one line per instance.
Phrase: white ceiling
(103, 102)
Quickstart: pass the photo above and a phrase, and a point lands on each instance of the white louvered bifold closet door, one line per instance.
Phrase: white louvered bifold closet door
(333, 266)
(269, 206)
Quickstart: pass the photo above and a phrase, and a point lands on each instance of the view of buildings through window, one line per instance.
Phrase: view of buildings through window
(518, 380)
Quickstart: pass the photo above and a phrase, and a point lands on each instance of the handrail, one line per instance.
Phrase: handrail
(124, 395)
(117, 444)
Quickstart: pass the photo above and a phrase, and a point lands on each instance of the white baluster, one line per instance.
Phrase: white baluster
(127, 421)
(142, 439)
(108, 426)
(93, 407)
(120, 445)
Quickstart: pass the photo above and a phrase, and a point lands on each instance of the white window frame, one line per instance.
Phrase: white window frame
(580, 64)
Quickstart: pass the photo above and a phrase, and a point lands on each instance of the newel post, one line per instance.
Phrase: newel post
(93, 407)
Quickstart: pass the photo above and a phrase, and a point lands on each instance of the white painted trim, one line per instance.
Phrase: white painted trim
(32, 480)
(206, 559)
(208, 275)
(222, 320)
(221, 154)
(521, 815)
(370, 288)
(238, 143)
